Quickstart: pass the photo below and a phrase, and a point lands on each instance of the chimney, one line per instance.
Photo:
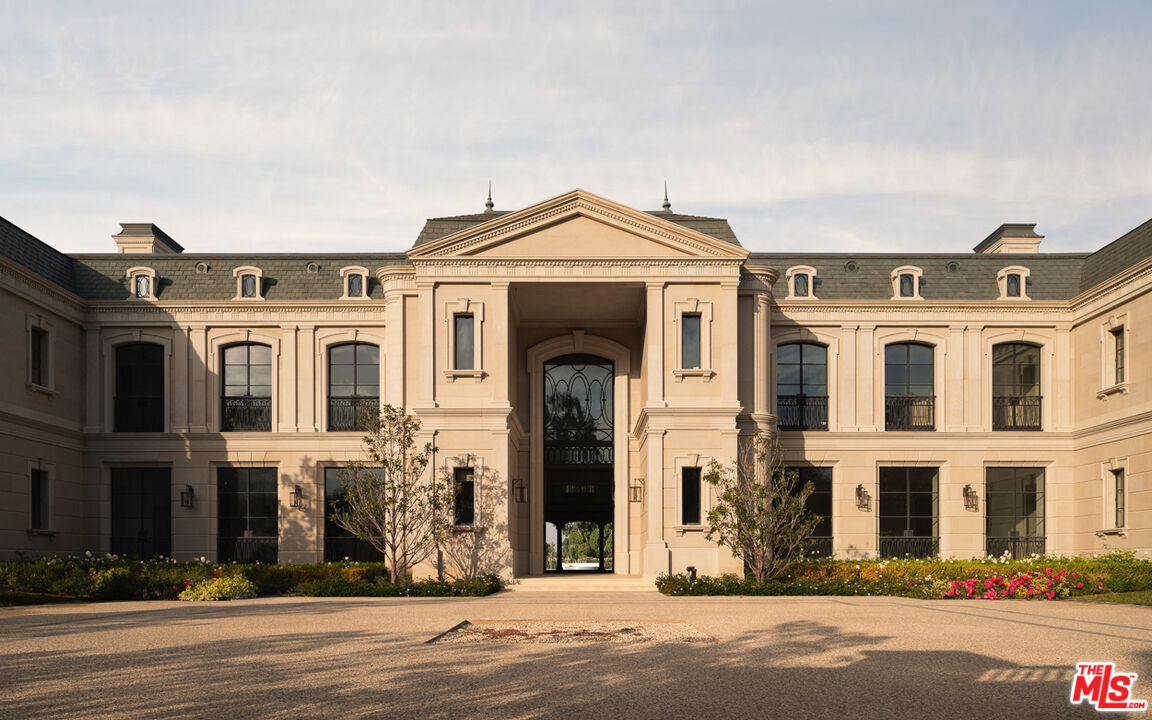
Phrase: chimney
(145, 238)
(1011, 238)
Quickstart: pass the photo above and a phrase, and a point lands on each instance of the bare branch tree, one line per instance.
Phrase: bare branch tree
(760, 509)
(387, 500)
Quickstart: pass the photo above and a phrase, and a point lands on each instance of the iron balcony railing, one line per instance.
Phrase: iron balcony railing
(138, 414)
(818, 546)
(802, 412)
(909, 546)
(247, 549)
(910, 412)
(1017, 546)
(1015, 412)
(577, 454)
(246, 413)
(351, 413)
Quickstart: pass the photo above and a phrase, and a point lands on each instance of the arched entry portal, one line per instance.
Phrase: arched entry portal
(619, 358)
(579, 434)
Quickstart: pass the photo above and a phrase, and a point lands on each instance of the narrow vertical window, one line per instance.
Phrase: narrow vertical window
(465, 505)
(1118, 475)
(38, 358)
(39, 490)
(465, 341)
(355, 285)
(690, 341)
(143, 286)
(1118, 343)
(800, 284)
(248, 286)
(1013, 285)
(690, 496)
(907, 285)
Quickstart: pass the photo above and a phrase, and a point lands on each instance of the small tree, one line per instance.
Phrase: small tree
(760, 509)
(387, 501)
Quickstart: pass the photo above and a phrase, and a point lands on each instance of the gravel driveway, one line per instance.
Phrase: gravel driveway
(766, 658)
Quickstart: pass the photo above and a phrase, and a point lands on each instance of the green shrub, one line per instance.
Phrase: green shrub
(380, 587)
(228, 587)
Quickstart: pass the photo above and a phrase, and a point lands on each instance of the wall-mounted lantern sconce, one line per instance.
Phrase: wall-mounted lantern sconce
(187, 496)
(519, 491)
(971, 500)
(863, 499)
(296, 497)
(636, 491)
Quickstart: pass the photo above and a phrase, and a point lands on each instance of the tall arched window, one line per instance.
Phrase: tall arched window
(139, 401)
(353, 385)
(1015, 387)
(247, 400)
(802, 386)
(909, 402)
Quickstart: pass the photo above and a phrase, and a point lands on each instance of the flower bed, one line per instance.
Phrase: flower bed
(108, 577)
(1036, 577)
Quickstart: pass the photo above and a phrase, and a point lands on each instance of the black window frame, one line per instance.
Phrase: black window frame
(691, 496)
(801, 285)
(247, 412)
(802, 410)
(139, 402)
(38, 356)
(1118, 354)
(339, 543)
(907, 284)
(464, 359)
(1014, 285)
(1005, 488)
(909, 409)
(691, 322)
(920, 534)
(356, 282)
(464, 496)
(40, 493)
(247, 545)
(1118, 481)
(1016, 403)
(353, 412)
(249, 285)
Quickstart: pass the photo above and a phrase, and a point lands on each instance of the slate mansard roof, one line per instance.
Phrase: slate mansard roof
(316, 277)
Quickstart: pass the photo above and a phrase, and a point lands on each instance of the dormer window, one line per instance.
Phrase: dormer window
(1013, 283)
(801, 282)
(906, 283)
(355, 283)
(142, 283)
(249, 283)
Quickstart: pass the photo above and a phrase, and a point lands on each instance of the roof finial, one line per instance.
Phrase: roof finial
(488, 205)
(667, 205)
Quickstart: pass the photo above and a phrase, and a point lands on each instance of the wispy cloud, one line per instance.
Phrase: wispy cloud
(837, 126)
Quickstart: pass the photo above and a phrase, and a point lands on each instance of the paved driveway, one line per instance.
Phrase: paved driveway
(773, 657)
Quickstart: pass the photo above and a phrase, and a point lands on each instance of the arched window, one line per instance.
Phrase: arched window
(1015, 387)
(909, 403)
(247, 400)
(353, 385)
(802, 386)
(139, 401)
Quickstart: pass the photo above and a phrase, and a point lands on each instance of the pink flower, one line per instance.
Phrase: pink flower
(1080, 585)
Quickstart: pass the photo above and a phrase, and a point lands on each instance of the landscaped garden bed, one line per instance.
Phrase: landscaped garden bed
(1037, 577)
(92, 577)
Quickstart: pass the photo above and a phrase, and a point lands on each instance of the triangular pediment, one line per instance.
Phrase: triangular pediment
(577, 225)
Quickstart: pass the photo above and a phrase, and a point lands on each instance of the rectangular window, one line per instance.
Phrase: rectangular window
(1014, 510)
(1118, 343)
(465, 505)
(909, 512)
(465, 329)
(40, 499)
(248, 511)
(38, 357)
(1013, 285)
(141, 512)
(339, 544)
(690, 496)
(690, 341)
(248, 286)
(1118, 476)
(907, 285)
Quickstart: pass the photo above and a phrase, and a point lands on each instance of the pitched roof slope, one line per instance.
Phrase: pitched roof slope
(436, 228)
(946, 277)
(29, 252)
(1123, 252)
(286, 277)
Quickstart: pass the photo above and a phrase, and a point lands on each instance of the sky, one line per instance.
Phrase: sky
(812, 126)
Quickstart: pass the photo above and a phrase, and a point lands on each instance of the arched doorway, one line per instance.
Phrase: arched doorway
(579, 453)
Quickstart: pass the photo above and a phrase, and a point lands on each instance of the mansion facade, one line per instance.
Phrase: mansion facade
(576, 361)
